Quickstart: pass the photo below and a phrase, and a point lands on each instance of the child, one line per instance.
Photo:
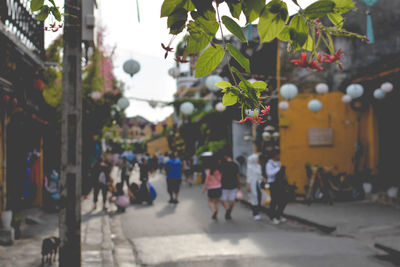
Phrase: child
(120, 199)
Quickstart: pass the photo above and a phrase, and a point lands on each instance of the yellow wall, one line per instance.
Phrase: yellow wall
(295, 151)
(159, 144)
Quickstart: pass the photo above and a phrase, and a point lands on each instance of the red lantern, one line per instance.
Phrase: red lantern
(38, 85)
(15, 102)
(6, 99)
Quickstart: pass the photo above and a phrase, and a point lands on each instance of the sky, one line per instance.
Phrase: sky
(142, 41)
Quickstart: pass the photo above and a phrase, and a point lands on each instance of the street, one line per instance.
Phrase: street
(184, 235)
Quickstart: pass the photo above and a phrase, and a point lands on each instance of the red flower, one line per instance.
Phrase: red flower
(181, 60)
(304, 63)
(266, 110)
(247, 118)
(167, 49)
(330, 59)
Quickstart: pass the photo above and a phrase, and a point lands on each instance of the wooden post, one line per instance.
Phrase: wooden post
(71, 138)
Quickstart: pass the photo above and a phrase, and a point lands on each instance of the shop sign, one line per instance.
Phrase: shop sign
(320, 136)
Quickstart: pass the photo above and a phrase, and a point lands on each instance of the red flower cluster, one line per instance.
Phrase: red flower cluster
(181, 60)
(167, 49)
(304, 63)
(53, 27)
(332, 58)
(258, 119)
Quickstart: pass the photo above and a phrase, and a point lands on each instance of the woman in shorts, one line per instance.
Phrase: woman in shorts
(213, 186)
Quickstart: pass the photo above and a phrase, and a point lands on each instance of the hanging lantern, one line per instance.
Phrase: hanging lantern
(289, 91)
(269, 128)
(247, 138)
(355, 90)
(211, 81)
(38, 85)
(123, 103)
(95, 95)
(322, 88)
(131, 67)
(187, 108)
(6, 99)
(370, 30)
(283, 105)
(15, 102)
(220, 107)
(379, 93)
(314, 105)
(387, 87)
(174, 72)
(346, 99)
(153, 103)
(275, 136)
(266, 136)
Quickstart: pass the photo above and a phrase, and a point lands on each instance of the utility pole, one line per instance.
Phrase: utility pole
(71, 138)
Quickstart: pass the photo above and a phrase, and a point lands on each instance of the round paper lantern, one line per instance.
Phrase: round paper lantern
(346, 99)
(220, 107)
(211, 81)
(131, 67)
(379, 93)
(266, 136)
(275, 135)
(322, 88)
(187, 108)
(289, 91)
(387, 87)
(123, 103)
(269, 128)
(174, 72)
(283, 105)
(153, 103)
(314, 105)
(95, 95)
(355, 90)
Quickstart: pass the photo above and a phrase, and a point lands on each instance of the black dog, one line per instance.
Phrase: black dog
(49, 249)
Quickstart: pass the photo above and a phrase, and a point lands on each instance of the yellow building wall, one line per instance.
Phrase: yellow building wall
(159, 144)
(295, 150)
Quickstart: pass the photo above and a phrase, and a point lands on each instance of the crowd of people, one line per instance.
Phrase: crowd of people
(220, 179)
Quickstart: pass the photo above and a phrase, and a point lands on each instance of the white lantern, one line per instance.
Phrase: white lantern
(269, 128)
(275, 136)
(283, 105)
(220, 107)
(289, 91)
(387, 87)
(187, 108)
(266, 136)
(153, 103)
(211, 81)
(355, 90)
(314, 105)
(131, 67)
(174, 72)
(322, 88)
(123, 103)
(247, 138)
(346, 99)
(95, 95)
(379, 93)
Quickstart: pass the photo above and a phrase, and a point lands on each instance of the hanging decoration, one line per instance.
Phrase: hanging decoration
(38, 85)
(174, 72)
(346, 99)
(315, 105)
(131, 67)
(187, 108)
(266, 136)
(283, 105)
(289, 91)
(220, 107)
(123, 103)
(211, 81)
(322, 88)
(355, 90)
(370, 29)
(387, 87)
(379, 93)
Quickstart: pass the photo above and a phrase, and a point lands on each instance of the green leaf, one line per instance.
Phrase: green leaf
(169, 6)
(189, 5)
(229, 99)
(309, 44)
(44, 13)
(343, 6)
(223, 84)
(259, 85)
(56, 13)
(242, 60)
(284, 35)
(195, 45)
(336, 19)
(206, 21)
(177, 21)
(319, 9)
(252, 9)
(36, 4)
(272, 20)
(298, 31)
(209, 60)
(235, 8)
(234, 28)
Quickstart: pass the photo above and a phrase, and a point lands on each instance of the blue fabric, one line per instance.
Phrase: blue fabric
(173, 167)
(370, 30)
(152, 190)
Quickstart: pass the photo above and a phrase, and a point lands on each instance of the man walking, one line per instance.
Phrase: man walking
(230, 184)
(276, 180)
(125, 168)
(174, 174)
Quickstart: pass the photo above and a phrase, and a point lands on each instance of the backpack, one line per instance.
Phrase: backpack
(102, 178)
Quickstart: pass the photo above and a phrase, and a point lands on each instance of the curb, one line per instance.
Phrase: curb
(391, 251)
(323, 228)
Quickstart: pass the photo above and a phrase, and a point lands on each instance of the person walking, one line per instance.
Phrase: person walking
(102, 171)
(213, 186)
(276, 181)
(254, 179)
(230, 183)
(125, 168)
(144, 178)
(174, 177)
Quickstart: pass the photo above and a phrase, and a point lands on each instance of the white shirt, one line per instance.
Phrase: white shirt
(272, 168)
(253, 169)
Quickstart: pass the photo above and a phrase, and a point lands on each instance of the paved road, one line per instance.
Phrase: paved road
(184, 235)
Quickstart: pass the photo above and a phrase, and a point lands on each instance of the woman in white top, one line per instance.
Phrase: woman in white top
(254, 178)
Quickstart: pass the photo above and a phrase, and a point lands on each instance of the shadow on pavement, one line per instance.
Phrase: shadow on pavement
(168, 209)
